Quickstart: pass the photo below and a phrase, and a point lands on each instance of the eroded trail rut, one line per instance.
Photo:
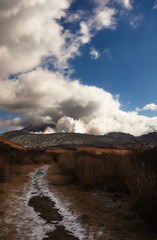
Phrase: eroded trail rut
(44, 204)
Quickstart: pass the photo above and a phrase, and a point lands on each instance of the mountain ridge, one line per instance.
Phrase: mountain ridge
(33, 136)
(31, 139)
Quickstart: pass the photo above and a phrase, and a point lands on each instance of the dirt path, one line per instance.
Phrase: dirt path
(35, 213)
(45, 206)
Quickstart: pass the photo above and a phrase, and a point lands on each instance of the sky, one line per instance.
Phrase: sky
(87, 66)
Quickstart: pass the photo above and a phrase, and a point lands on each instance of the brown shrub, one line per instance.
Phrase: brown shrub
(94, 171)
(141, 176)
(4, 171)
(11, 159)
(134, 173)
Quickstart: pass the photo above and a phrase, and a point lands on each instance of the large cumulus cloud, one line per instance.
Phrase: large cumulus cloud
(29, 32)
(48, 97)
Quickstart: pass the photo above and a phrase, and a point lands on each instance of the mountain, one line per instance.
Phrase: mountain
(32, 136)
(28, 138)
(150, 138)
(122, 137)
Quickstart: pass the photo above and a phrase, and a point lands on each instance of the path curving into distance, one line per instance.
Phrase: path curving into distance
(39, 214)
(45, 205)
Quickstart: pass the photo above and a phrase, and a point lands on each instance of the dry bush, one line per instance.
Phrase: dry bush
(7, 171)
(67, 164)
(4, 170)
(94, 171)
(54, 156)
(134, 173)
(141, 175)
(11, 159)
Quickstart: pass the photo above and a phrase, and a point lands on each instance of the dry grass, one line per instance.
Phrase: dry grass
(134, 173)
(12, 156)
(93, 171)
(4, 142)
(100, 212)
(100, 151)
(141, 176)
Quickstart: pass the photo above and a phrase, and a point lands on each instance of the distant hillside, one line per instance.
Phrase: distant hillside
(32, 136)
(150, 138)
(12, 153)
(6, 144)
(30, 139)
(12, 156)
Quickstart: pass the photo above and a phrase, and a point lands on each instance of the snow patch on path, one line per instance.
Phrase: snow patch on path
(30, 226)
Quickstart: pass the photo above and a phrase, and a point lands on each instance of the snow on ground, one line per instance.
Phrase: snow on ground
(28, 223)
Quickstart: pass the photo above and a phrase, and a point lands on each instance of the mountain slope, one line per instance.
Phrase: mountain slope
(150, 138)
(6, 144)
(60, 139)
(32, 136)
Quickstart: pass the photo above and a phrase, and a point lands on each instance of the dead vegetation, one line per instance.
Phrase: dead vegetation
(12, 156)
(133, 174)
(105, 215)
(92, 171)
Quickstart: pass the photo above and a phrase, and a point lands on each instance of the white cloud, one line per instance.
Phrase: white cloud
(151, 106)
(48, 130)
(102, 17)
(69, 104)
(11, 123)
(95, 54)
(138, 109)
(126, 3)
(29, 31)
(75, 17)
(68, 124)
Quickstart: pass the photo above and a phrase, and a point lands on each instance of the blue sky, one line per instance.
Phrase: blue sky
(131, 70)
(87, 66)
